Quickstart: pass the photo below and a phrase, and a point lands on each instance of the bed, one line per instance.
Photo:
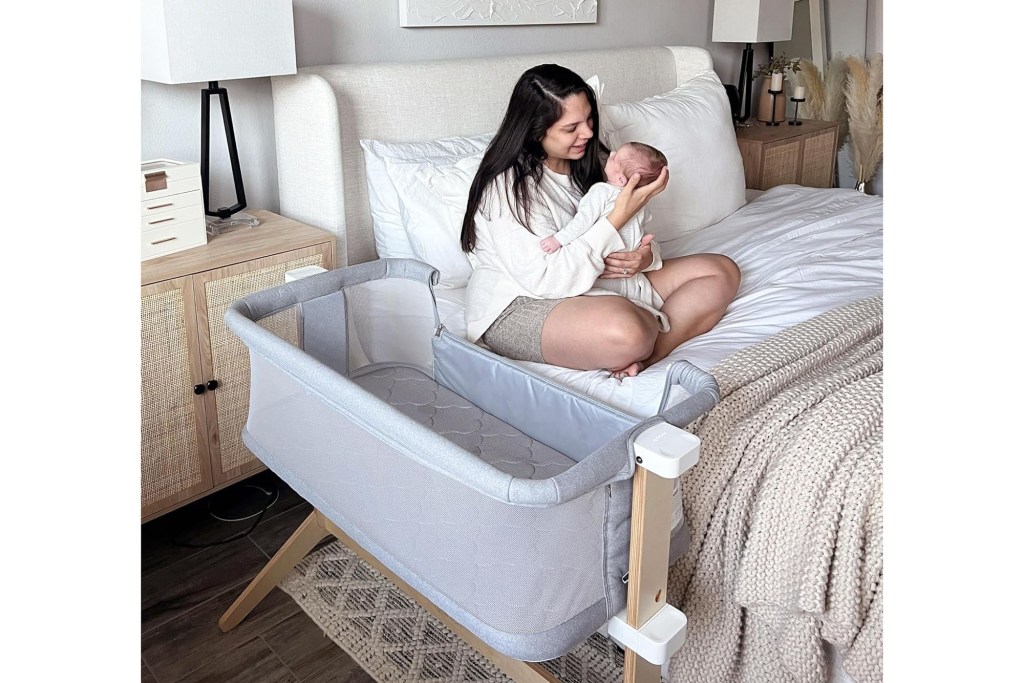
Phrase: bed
(783, 578)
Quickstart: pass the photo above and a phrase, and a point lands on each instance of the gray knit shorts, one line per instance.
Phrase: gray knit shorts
(516, 332)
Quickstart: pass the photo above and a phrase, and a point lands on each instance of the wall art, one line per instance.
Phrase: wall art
(423, 13)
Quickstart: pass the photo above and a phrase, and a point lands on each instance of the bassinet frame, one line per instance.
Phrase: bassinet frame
(655, 459)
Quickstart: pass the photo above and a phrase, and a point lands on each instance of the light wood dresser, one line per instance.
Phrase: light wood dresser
(777, 155)
(195, 372)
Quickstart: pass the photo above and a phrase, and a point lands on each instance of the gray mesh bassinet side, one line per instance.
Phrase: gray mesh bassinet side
(517, 529)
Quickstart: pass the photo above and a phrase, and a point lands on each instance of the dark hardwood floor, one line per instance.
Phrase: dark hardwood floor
(186, 589)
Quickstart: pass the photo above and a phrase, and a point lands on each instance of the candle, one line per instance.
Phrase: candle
(799, 92)
(776, 82)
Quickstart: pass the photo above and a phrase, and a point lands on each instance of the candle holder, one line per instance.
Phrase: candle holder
(796, 101)
(774, 94)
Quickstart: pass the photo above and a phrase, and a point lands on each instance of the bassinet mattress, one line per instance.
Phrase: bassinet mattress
(802, 251)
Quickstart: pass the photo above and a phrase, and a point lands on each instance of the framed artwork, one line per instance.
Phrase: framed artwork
(423, 13)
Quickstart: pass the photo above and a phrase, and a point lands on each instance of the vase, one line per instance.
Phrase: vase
(764, 108)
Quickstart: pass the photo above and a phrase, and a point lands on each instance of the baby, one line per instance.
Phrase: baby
(630, 158)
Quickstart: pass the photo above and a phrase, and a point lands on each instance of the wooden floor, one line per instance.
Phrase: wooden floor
(185, 590)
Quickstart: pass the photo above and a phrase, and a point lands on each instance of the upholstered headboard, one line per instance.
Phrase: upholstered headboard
(322, 112)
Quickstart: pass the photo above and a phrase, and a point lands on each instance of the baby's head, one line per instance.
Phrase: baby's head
(634, 157)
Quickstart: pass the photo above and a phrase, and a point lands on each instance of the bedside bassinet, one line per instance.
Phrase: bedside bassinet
(504, 499)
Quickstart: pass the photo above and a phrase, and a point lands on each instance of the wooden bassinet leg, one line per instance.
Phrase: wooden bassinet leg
(648, 578)
(312, 530)
(650, 533)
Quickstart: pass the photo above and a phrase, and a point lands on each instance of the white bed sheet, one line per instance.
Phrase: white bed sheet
(802, 251)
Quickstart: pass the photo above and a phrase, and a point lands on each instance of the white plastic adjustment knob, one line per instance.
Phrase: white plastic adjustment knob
(657, 640)
(666, 450)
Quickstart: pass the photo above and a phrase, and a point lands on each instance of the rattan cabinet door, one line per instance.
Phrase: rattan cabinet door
(781, 164)
(819, 159)
(225, 358)
(175, 457)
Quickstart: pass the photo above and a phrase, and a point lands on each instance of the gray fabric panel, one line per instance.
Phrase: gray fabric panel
(324, 334)
(572, 423)
(520, 569)
(528, 647)
(618, 516)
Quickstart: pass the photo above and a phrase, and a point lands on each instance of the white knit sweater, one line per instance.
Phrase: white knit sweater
(509, 262)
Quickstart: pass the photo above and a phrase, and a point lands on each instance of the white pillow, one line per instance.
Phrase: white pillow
(385, 208)
(598, 87)
(692, 125)
(432, 196)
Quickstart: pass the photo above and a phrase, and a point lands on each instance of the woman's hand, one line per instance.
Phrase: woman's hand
(631, 199)
(624, 264)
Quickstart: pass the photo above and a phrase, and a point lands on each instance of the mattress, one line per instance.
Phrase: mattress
(801, 251)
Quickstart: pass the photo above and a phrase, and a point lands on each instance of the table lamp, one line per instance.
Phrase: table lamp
(751, 21)
(195, 41)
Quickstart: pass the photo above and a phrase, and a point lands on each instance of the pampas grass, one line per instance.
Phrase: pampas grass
(836, 72)
(864, 104)
(811, 79)
(826, 96)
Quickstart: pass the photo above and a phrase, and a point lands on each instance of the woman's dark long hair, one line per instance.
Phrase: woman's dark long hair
(536, 105)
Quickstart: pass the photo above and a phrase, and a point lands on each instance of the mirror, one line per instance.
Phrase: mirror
(809, 37)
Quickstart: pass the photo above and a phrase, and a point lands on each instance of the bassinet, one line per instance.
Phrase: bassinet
(502, 498)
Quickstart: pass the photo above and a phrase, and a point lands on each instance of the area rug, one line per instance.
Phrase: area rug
(394, 639)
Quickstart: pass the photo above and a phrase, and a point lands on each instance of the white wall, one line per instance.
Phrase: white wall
(361, 31)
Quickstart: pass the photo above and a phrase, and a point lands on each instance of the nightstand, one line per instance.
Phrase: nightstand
(195, 372)
(776, 155)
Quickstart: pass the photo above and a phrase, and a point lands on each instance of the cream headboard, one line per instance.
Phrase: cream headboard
(321, 113)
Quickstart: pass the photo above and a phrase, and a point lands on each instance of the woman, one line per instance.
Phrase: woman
(524, 303)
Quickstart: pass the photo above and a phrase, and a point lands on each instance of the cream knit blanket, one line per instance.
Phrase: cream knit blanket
(785, 507)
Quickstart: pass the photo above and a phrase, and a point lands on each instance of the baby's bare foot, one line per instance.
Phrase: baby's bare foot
(631, 370)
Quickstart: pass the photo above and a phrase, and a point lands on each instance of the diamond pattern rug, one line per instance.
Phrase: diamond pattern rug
(395, 640)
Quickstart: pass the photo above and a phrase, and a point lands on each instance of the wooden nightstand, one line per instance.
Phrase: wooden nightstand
(776, 155)
(195, 373)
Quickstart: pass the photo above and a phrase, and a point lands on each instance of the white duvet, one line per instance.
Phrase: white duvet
(802, 251)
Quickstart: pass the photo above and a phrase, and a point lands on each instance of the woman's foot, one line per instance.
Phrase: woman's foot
(631, 370)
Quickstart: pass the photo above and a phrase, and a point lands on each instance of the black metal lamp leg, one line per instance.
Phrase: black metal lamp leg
(746, 73)
(204, 162)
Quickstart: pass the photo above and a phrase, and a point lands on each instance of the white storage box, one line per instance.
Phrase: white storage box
(173, 214)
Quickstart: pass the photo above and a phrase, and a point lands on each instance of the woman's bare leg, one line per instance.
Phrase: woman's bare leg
(598, 333)
(697, 289)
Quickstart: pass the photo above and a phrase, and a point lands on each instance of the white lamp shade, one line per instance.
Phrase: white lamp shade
(192, 41)
(752, 21)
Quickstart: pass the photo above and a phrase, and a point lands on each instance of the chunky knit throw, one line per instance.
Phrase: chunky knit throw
(785, 507)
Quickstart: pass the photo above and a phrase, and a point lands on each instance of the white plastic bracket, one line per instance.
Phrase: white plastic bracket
(304, 271)
(657, 640)
(666, 450)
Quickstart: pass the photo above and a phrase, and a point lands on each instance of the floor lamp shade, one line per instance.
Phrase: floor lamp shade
(195, 41)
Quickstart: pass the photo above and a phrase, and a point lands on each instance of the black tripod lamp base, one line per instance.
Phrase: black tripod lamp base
(224, 216)
(741, 112)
